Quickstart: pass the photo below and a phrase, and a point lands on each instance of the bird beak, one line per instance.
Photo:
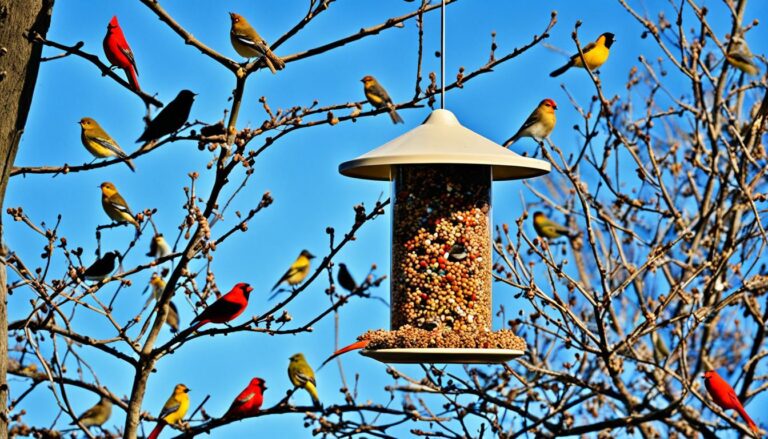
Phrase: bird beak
(249, 289)
(187, 390)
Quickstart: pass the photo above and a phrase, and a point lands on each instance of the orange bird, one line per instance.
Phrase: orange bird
(724, 396)
(249, 401)
(119, 52)
(356, 345)
(226, 308)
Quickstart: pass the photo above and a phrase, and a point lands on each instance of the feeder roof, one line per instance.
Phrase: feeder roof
(441, 139)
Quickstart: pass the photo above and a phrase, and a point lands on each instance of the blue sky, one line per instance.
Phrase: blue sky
(300, 170)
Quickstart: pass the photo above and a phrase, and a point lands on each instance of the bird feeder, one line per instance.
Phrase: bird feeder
(442, 242)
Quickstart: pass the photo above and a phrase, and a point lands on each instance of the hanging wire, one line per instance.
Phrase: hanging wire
(442, 55)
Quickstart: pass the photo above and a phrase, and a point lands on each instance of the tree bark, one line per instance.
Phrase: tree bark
(19, 64)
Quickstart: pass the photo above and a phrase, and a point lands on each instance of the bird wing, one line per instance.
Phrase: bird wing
(377, 94)
(292, 270)
(302, 378)
(221, 307)
(584, 50)
(741, 57)
(110, 144)
(128, 54)
(169, 408)
(118, 202)
(258, 44)
(533, 118)
(244, 397)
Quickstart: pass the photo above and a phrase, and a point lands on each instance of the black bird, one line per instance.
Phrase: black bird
(171, 118)
(345, 279)
(102, 268)
(172, 319)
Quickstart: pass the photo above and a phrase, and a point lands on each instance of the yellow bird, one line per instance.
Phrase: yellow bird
(301, 375)
(248, 43)
(298, 270)
(741, 57)
(547, 228)
(158, 247)
(157, 284)
(115, 206)
(97, 415)
(595, 54)
(99, 143)
(379, 98)
(539, 124)
(173, 410)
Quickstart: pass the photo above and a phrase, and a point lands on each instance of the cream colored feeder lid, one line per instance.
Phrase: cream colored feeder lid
(441, 139)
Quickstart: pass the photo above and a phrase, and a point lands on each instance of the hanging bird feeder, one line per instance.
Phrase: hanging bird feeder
(442, 242)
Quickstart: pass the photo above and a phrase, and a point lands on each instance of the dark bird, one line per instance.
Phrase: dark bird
(171, 118)
(345, 279)
(458, 252)
(102, 268)
(172, 319)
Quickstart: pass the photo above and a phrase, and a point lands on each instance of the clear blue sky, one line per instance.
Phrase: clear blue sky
(300, 170)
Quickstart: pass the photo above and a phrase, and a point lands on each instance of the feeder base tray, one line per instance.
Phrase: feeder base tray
(443, 355)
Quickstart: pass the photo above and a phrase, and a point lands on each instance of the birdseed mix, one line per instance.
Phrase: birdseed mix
(441, 255)
(408, 337)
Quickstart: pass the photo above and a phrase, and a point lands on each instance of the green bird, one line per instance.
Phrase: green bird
(301, 375)
(547, 228)
(97, 415)
(99, 143)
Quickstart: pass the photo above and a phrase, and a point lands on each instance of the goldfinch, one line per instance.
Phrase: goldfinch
(115, 206)
(158, 247)
(97, 415)
(547, 228)
(539, 124)
(297, 271)
(99, 143)
(379, 98)
(301, 375)
(741, 57)
(595, 54)
(248, 43)
(173, 410)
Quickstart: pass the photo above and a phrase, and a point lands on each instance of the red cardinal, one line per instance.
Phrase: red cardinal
(227, 308)
(249, 401)
(724, 396)
(119, 53)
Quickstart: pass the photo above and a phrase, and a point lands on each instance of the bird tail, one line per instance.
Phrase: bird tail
(512, 140)
(156, 431)
(128, 162)
(394, 116)
(750, 422)
(562, 69)
(133, 78)
(312, 390)
(356, 345)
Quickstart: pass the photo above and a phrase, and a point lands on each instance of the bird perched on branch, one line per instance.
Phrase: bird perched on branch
(171, 118)
(297, 271)
(301, 375)
(248, 43)
(741, 57)
(97, 415)
(723, 395)
(119, 52)
(158, 247)
(173, 410)
(547, 228)
(101, 268)
(157, 284)
(99, 143)
(379, 98)
(115, 206)
(248, 402)
(345, 278)
(539, 124)
(595, 54)
(226, 308)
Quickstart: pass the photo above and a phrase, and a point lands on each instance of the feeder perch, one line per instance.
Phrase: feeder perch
(442, 242)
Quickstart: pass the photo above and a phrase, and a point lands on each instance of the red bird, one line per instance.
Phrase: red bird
(226, 308)
(249, 401)
(724, 396)
(119, 53)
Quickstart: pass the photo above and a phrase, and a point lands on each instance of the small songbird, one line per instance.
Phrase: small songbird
(119, 52)
(547, 228)
(379, 98)
(97, 415)
(157, 284)
(102, 268)
(99, 143)
(171, 118)
(248, 43)
(226, 308)
(158, 247)
(539, 124)
(595, 54)
(302, 375)
(723, 395)
(741, 57)
(297, 271)
(115, 206)
(345, 279)
(173, 410)
(248, 402)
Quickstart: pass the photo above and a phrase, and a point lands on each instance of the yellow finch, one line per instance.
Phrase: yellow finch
(302, 375)
(741, 57)
(248, 43)
(297, 271)
(539, 124)
(99, 143)
(158, 247)
(115, 206)
(595, 54)
(173, 410)
(157, 284)
(547, 228)
(97, 415)
(379, 98)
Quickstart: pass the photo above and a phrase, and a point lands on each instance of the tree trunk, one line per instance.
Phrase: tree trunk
(19, 63)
